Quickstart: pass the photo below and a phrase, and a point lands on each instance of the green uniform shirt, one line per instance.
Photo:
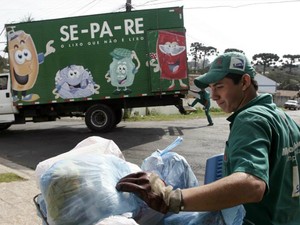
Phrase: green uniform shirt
(264, 142)
(204, 98)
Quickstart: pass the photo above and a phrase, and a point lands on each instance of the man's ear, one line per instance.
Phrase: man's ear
(246, 81)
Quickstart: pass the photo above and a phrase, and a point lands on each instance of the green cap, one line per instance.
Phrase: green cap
(230, 62)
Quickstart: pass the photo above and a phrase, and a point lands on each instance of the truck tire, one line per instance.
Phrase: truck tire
(100, 118)
(4, 126)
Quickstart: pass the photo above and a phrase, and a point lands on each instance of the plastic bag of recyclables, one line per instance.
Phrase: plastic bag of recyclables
(78, 188)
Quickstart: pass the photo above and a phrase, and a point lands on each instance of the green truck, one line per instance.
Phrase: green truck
(94, 66)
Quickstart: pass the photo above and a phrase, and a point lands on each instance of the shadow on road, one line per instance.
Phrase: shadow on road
(32, 143)
(29, 147)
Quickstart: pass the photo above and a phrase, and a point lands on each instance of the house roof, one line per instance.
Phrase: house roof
(265, 84)
(265, 81)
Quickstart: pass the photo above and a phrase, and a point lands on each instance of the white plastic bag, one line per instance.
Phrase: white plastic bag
(81, 190)
(93, 150)
(124, 219)
(91, 145)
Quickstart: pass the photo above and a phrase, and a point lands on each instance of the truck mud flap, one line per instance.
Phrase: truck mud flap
(4, 126)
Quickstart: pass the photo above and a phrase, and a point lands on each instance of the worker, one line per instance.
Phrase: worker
(203, 99)
(260, 166)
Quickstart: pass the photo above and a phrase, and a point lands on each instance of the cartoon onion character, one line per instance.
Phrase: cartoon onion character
(24, 63)
(171, 53)
(122, 70)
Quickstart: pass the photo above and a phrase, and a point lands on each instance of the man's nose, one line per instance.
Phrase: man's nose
(214, 95)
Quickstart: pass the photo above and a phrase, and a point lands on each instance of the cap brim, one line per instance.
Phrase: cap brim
(199, 84)
(208, 78)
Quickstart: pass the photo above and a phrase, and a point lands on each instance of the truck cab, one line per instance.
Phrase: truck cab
(7, 109)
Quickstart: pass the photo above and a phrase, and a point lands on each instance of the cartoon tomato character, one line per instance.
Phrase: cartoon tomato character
(24, 63)
(171, 52)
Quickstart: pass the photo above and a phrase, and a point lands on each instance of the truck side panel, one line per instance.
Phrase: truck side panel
(105, 56)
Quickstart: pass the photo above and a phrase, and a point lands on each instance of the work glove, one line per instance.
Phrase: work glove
(151, 189)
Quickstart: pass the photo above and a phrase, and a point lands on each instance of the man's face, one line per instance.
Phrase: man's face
(229, 96)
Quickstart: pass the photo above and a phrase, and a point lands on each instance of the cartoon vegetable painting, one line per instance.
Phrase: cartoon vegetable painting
(24, 63)
(74, 82)
(170, 57)
(122, 70)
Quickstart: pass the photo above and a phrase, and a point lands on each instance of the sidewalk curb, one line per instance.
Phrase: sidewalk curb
(16, 198)
(7, 166)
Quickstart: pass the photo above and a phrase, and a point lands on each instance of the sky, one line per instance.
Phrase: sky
(254, 26)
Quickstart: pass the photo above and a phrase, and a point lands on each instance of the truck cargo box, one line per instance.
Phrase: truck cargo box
(61, 67)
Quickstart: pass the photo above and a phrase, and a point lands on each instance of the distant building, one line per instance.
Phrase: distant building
(265, 84)
(282, 96)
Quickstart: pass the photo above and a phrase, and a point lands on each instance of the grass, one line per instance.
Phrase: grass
(154, 116)
(10, 177)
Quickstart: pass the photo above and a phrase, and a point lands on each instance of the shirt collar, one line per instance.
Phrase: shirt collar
(263, 99)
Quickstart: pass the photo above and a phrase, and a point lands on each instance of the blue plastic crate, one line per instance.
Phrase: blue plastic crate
(213, 169)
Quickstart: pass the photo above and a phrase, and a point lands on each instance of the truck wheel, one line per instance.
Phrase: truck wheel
(119, 115)
(100, 118)
(4, 126)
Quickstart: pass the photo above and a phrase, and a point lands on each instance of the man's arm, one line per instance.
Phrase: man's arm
(238, 188)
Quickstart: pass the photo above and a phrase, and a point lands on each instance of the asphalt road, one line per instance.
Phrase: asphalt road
(31, 143)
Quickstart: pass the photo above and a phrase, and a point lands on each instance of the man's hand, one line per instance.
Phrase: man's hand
(150, 188)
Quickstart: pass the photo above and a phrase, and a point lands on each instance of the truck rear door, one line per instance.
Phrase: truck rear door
(6, 101)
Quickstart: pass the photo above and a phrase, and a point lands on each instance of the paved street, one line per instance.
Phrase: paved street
(29, 144)
(23, 146)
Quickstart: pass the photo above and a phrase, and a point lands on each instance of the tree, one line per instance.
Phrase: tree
(289, 84)
(3, 64)
(289, 61)
(265, 60)
(200, 51)
(27, 18)
(233, 50)
(194, 48)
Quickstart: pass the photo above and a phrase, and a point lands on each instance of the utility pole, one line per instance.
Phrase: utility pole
(128, 5)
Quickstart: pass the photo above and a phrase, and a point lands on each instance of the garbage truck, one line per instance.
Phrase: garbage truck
(94, 67)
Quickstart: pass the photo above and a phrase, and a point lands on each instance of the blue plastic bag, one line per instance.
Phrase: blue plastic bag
(194, 218)
(175, 171)
(231, 216)
(171, 167)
